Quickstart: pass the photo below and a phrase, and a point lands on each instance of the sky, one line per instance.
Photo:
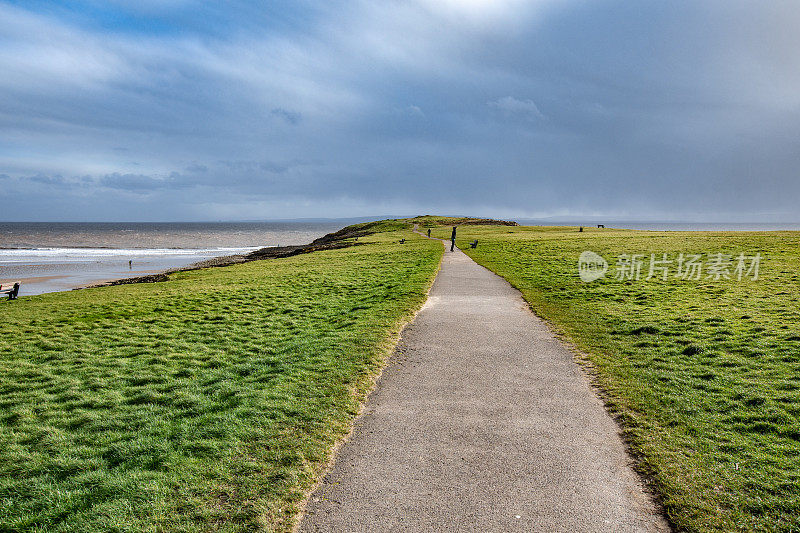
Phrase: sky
(186, 110)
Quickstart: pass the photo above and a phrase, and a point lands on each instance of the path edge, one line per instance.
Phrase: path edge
(639, 465)
(374, 380)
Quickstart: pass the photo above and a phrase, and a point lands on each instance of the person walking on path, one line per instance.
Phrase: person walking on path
(453, 240)
(429, 233)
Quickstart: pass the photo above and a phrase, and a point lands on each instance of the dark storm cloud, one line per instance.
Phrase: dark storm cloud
(506, 108)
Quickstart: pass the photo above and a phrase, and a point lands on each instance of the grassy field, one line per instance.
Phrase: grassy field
(207, 402)
(704, 374)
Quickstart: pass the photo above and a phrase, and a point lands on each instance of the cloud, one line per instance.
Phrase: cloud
(292, 117)
(321, 108)
(47, 180)
(134, 182)
(514, 107)
(254, 166)
(414, 111)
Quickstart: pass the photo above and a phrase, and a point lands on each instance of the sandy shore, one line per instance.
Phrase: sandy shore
(34, 279)
(87, 274)
(60, 276)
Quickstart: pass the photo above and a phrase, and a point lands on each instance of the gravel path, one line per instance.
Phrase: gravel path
(481, 422)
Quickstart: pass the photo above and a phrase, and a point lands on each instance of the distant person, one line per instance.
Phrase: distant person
(130, 264)
(453, 240)
(429, 233)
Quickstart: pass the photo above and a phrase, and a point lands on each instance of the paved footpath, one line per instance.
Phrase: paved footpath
(481, 422)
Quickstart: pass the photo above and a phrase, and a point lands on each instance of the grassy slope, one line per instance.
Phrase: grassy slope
(208, 402)
(705, 375)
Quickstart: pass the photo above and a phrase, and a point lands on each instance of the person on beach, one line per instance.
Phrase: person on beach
(130, 264)
(453, 239)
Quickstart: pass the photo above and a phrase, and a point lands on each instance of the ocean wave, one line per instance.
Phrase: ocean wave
(17, 255)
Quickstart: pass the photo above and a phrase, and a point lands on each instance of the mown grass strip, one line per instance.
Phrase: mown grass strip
(207, 402)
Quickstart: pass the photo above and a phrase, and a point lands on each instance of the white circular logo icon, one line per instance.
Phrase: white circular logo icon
(591, 266)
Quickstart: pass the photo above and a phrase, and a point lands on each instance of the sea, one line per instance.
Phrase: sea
(58, 256)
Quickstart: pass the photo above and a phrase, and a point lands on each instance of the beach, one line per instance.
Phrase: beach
(50, 270)
(51, 257)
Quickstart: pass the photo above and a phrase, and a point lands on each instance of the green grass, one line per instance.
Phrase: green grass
(704, 375)
(431, 221)
(207, 402)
